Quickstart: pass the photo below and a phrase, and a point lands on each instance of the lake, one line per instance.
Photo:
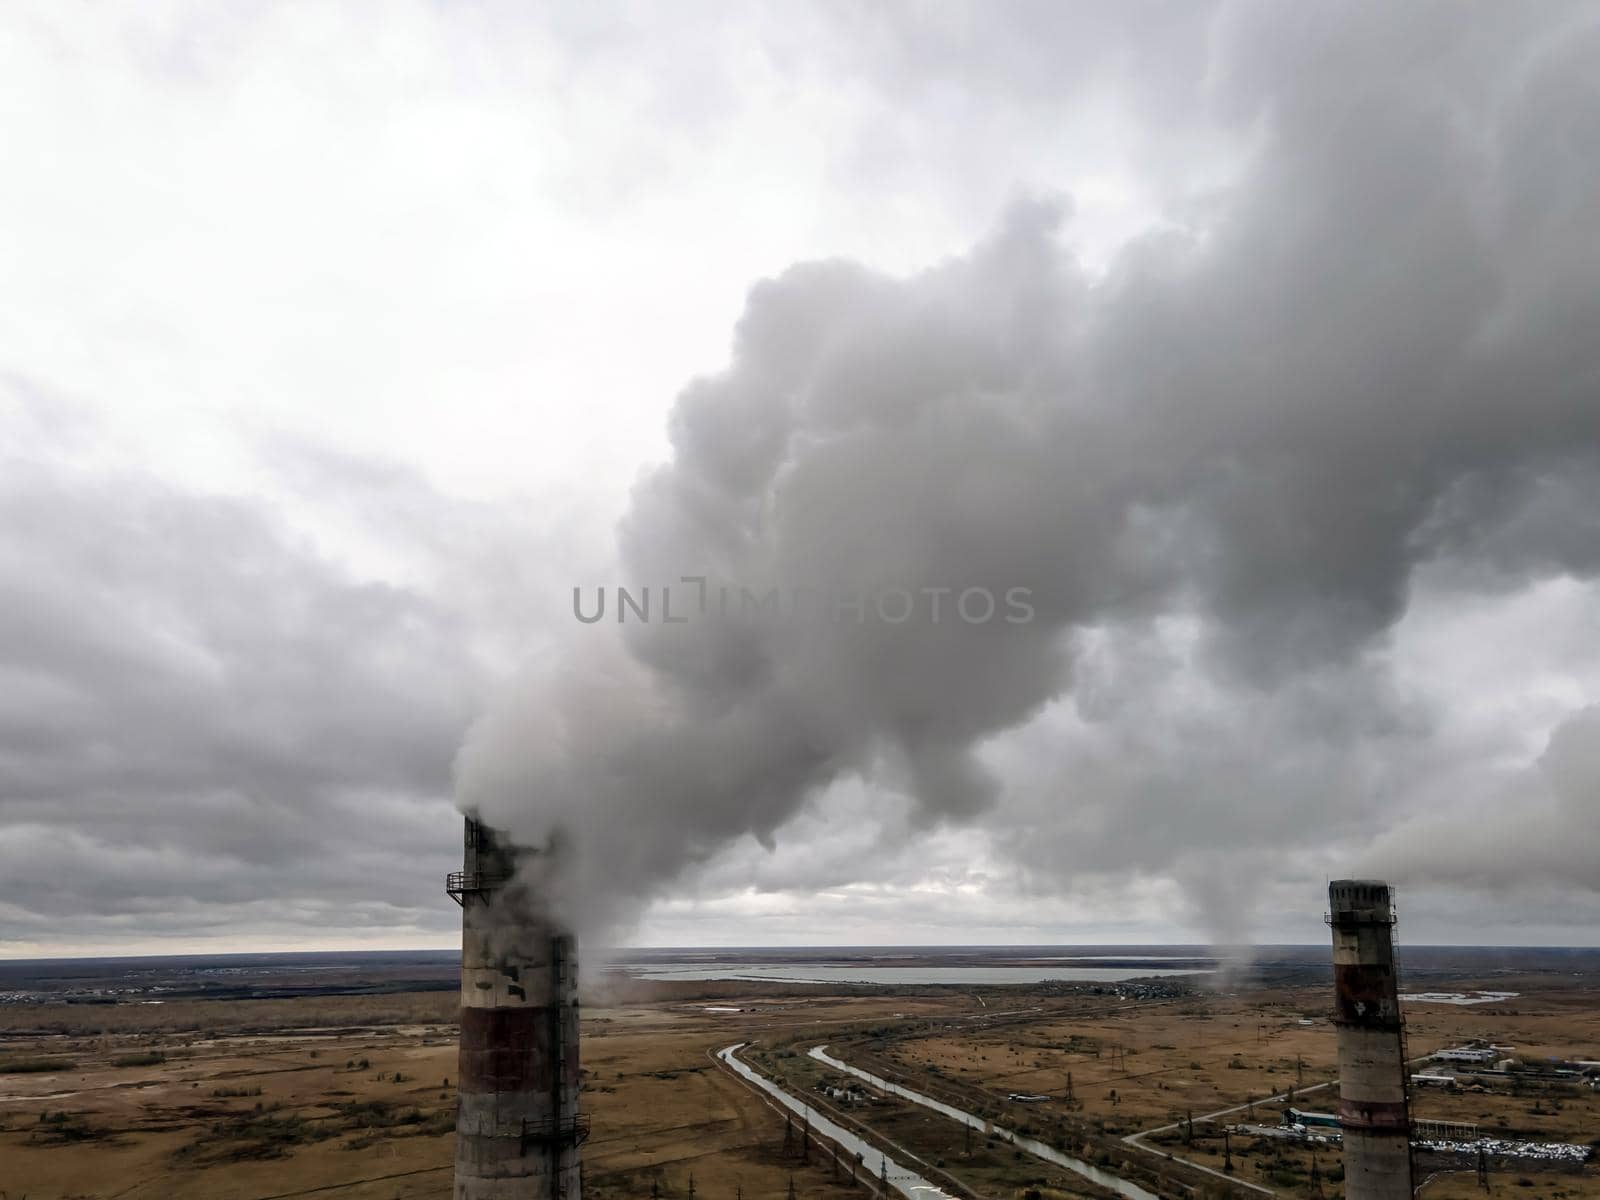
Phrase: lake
(1043, 972)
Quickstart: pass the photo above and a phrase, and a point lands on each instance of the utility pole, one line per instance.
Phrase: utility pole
(1227, 1151)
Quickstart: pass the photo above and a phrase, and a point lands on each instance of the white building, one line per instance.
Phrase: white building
(1463, 1054)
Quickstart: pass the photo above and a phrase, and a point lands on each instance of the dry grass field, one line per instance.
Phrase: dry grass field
(1144, 1066)
(351, 1097)
(251, 1100)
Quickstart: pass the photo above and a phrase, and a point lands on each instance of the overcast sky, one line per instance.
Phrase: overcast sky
(1256, 343)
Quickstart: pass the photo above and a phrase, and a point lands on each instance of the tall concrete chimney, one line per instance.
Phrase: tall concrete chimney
(1373, 1109)
(517, 1123)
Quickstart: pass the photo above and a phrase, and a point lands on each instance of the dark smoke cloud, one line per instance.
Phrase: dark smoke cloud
(1369, 355)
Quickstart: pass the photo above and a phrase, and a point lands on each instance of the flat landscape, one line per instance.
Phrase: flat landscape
(275, 1078)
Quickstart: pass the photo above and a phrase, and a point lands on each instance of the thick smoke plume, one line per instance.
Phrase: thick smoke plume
(1369, 356)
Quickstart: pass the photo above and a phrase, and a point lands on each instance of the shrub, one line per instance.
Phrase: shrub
(145, 1058)
(34, 1066)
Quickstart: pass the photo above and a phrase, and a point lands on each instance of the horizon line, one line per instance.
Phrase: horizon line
(605, 951)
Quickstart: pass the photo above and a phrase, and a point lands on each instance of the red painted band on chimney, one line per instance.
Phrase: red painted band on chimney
(506, 1050)
(1374, 1116)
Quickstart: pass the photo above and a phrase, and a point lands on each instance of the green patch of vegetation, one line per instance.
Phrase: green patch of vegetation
(67, 1129)
(675, 1072)
(144, 1058)
(379, 1118)
(34, 1066)
(268, 1133)
(258, 1134)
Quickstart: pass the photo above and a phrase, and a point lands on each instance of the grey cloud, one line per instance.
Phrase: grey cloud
(1346, 366)
(1356, 355)
(1538, 828)
(199, 711)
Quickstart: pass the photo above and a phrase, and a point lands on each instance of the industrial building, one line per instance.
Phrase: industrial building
(1311, 1120)
(1466, 1054)
(1448, 1082)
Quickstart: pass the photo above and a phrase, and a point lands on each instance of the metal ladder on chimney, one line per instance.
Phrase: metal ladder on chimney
(1405, 1047)
(559, 968)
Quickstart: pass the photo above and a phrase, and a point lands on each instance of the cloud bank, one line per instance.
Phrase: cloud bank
(1218, 471)
(1261, 360)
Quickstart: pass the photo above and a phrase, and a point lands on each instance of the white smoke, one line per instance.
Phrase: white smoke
(1372, 354)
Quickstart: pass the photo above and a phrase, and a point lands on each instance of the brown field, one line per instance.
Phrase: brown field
(350, 1097)
(1144, 1066)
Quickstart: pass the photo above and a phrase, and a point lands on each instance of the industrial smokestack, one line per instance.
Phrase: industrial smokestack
(517, 1123)
(1373, 1109)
